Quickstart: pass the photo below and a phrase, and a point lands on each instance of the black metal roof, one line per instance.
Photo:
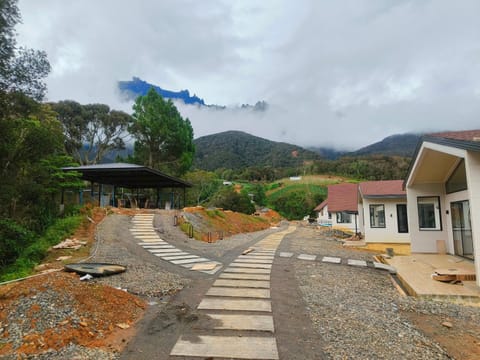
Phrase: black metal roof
(128, 176)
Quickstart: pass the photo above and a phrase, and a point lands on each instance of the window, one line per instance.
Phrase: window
(402, 218)
(458, 179)
(429, 213)
(377, 216)
(343, 218)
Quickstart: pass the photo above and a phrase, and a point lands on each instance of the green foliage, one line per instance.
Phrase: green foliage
(373, 167)
(205, 184)
(296, 200)
(257, 192)
(13, 239)
(91, 130)
(32, 251)
(229, 199)
(239, 151)
(21, 69)
(163, 139)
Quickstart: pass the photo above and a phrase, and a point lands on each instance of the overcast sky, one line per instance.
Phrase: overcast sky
(341, 73)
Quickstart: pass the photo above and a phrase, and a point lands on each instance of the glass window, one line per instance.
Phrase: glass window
(377, 216)
(429, 213)
(343, 218)
(402, 218)
(458, 179)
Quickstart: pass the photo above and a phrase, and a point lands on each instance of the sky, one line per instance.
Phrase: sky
(342, 74)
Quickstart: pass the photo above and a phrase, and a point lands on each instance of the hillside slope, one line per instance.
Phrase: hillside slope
(237, 150)
(394, 145)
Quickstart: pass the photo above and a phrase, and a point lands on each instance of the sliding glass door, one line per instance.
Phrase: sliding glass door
(462, 230)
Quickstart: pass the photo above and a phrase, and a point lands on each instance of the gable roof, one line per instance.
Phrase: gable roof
(382, 189)
(343, 197)
(321, 206)
(465, 140)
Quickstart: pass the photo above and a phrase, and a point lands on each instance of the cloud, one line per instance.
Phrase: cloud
(343, 73)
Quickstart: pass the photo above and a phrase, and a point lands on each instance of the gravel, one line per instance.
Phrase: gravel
(145, 275)
(357, 312)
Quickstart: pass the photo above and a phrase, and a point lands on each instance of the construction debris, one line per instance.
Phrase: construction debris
(249, 250)
(70, 244)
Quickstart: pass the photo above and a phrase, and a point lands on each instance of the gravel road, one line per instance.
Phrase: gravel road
(359, 314)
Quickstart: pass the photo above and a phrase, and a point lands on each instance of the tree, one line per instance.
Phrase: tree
(92, 130)
(205, 184)
(21, 69)
(163, 139)
(228, 198)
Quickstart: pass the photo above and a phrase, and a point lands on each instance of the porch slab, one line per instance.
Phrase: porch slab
(415, 272)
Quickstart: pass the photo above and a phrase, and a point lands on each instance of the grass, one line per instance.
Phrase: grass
(309, 189)
(36, 252)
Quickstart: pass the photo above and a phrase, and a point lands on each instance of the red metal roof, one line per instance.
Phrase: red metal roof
(343, 197)
(384, 188)
(468, 135)
(321, 206)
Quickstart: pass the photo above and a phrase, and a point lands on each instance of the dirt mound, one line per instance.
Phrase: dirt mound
(55, 310)
(215, 224)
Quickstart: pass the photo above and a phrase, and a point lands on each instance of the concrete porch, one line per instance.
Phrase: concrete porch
(415, 272)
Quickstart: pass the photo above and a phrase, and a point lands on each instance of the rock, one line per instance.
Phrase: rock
(447, 324)
(123, 326)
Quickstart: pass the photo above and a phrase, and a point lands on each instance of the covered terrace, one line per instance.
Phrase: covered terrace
(112, 179)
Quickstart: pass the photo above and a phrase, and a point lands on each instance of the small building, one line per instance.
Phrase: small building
(383, 212)
(443, 196)
(343, 207)
(324, 217)
(121, 184)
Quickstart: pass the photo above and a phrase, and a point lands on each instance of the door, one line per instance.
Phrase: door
(462, 230)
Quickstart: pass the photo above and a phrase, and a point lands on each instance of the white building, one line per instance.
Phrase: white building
(443, 195)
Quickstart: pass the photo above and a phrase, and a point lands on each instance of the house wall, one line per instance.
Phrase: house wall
(472, 164)
(322, 216)
(388, 234)
(425, 241)
(345, 226)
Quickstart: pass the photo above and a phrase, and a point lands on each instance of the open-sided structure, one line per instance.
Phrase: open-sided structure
(133, 177)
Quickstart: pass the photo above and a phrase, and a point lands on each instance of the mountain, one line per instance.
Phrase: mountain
(399, 145)
(130, 90)
(327, 153)
(137, 87)
(237, 150)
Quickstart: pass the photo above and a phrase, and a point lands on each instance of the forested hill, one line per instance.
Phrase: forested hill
(395, 145)
(237, 150)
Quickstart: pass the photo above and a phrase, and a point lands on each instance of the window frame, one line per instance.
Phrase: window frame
(406, 219)
(372, 216)
(341, 215)
(437, 213)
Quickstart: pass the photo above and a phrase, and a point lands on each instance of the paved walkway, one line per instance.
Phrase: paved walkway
(338, 260)
(239, 305)
(143, 230)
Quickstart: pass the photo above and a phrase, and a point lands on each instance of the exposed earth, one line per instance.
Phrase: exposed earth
(320, 310)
